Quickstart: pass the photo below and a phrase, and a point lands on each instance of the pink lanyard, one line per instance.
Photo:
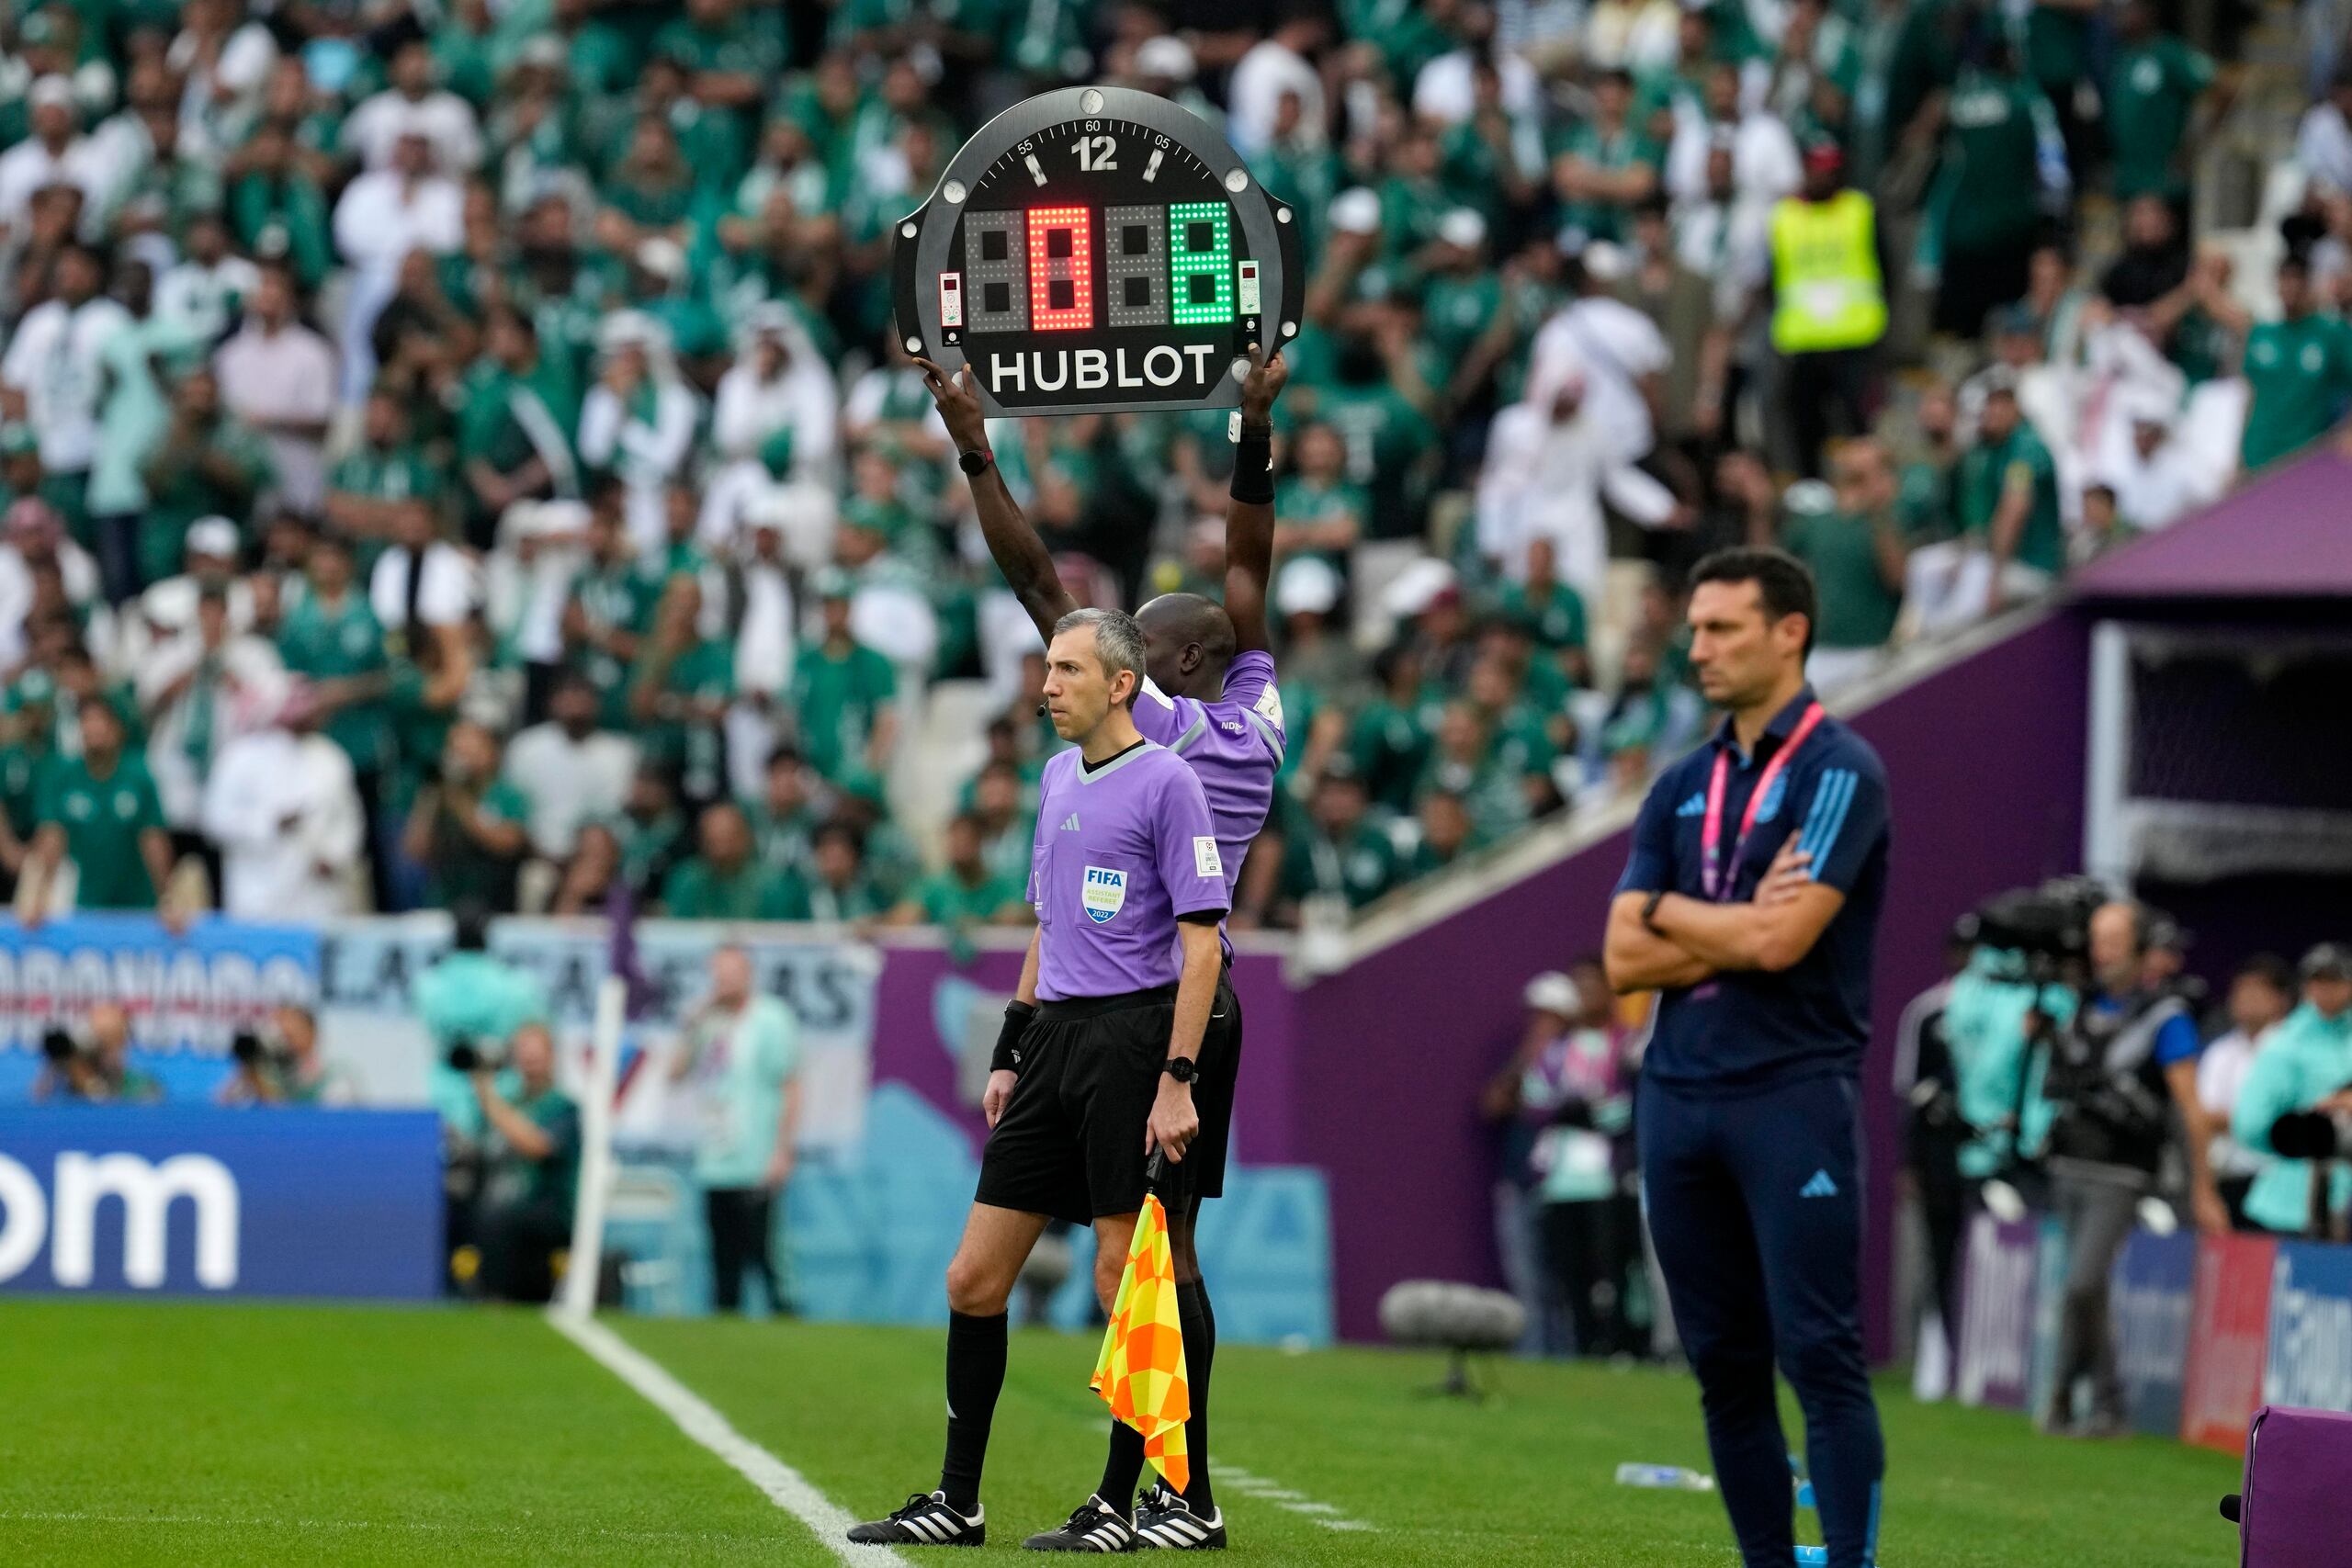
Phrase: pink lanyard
(1718, 882)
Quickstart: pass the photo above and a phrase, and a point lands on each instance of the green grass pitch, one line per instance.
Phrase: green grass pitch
(200, 1433)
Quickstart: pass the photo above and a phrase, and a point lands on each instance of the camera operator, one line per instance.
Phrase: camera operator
(469, 994)
(284, 1065)
(96, 1066)
(741, 1056)
(2300, 1082)
(530, 1167)
(2117, 1071)
(1928, 1079)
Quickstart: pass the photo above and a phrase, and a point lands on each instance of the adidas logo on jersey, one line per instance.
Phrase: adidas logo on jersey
(1819, 1186)
(1694, 806)
(1070, 826)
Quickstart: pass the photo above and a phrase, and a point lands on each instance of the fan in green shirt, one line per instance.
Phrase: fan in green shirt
(1606, 167)
(965, 892)
(611, 606)
(2008, 488)
(649, 832)
(1389, 441)
(1856, 549)
(1321, 513)
(1466, 760)
(1340, 853)
(1446, 835)
(843, 693)
(517, 408)
(100, 810)
(2152, 92)
(1549, 611)
(1389, 743)
(367, 485)
(785, 819)
(466, 824)
(725, 881)
(839, 887)
(207, 464)
(332, 637)
(680, 693)
(2300, 368)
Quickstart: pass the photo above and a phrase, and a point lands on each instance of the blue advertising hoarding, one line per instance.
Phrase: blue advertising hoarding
(2310, 1360)
(187, 995)
(2151, 1297)
(196, 1200)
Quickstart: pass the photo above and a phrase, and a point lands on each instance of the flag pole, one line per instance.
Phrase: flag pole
(578, 1297)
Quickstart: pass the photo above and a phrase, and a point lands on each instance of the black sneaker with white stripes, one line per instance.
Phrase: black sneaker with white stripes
(1096, 1527)
(926, 1520)
(1164, 1520)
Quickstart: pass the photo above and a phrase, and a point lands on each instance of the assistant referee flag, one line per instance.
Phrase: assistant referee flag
(1141, 1373)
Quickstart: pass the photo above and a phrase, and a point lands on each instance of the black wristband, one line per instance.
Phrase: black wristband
(1649, 911)
(1017, 1017)
(1253, 467)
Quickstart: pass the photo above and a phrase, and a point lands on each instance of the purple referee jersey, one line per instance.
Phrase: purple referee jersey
(1235, 744)
(1122, 853)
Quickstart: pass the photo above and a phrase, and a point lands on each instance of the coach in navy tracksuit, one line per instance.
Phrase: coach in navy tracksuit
(1750, 905)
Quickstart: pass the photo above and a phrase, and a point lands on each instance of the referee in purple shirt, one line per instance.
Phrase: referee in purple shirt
(1208, 695)
(1130, 887)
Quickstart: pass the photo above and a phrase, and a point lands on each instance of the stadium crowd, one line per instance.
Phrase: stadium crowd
(457, 451)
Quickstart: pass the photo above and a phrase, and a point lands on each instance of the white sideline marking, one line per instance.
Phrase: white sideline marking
(784, 1487)
(386, 1526)
(1264, 1491)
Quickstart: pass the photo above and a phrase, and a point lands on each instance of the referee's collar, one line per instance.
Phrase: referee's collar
(1776, 732)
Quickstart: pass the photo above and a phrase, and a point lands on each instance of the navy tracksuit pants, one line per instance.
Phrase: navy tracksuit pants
(1754, 1207)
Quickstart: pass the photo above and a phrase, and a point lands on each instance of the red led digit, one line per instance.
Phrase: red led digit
(1061, 268)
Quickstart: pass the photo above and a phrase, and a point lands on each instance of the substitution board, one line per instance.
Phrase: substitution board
(1095, 249)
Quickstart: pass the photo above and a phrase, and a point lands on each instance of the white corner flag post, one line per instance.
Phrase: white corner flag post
(579, 1296)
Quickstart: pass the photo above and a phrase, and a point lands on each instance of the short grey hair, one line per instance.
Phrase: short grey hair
(1118, 641)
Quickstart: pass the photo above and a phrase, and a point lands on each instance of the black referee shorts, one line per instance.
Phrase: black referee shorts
(1070, 1141)
(1212, 1090)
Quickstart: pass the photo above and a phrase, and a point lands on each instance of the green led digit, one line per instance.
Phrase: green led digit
(1200, 263)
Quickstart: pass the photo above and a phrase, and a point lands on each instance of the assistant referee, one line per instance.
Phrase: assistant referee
(1130, 887)
(1750, 905)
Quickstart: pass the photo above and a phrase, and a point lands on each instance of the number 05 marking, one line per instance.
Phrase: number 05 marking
(1096, 153)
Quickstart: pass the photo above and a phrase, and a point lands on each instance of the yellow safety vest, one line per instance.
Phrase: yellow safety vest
(1827, 293)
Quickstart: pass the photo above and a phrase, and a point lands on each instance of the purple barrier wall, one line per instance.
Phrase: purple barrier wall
(1985, 764)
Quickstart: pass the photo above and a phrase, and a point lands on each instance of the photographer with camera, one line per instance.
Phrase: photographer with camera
(93, 1067)
(283, 1064)
(530, 1167)
(469, 994)
(2117, 1072)
(2296, 1104)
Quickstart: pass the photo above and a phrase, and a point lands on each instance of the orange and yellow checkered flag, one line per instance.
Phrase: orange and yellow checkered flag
(1141, 1373)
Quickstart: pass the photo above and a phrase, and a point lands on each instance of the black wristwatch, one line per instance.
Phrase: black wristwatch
(1649, 911)
(973, 462)
(1183, 1070)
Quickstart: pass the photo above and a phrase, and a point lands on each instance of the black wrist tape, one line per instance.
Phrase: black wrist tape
(1253, 468)
(1017, 1016)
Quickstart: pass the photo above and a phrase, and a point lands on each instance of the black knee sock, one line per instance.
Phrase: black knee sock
(1199, 1321)
(976, 1349)
(1122, 1469)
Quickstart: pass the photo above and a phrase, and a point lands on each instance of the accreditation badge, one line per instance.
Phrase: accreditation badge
(1104, 894)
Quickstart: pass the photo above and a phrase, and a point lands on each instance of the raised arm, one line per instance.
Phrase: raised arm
(1250, 516)
(1013, 544)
